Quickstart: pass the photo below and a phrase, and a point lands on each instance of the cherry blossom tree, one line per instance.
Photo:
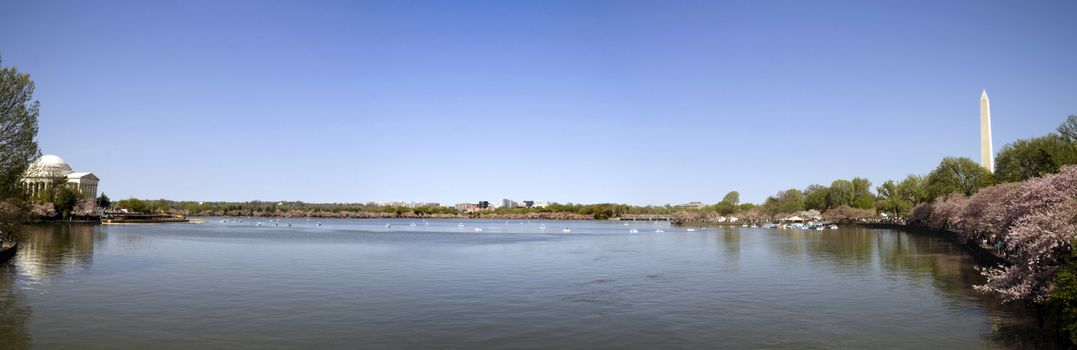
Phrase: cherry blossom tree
(1038, 246)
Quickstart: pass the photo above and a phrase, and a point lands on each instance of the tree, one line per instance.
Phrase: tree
(957, 175)
(1028, 158)
(1068, 130)
(788, 201)
(841, 193)
(729, 203)
(732, 198)
(862, 197)
(18, 130)
(133, 205)
(815, 197)
(890, 201)
(913, 189)
(792, 200)
(65, 198)
(103, 201)
(1037, 245)
(1063, 299)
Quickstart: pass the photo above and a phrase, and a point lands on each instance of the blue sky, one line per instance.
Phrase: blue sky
(576, 101)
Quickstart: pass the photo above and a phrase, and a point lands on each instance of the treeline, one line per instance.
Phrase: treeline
(283, 209)
(599, 211)
(1017, 161)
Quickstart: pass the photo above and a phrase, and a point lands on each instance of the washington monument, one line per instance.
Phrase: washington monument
(987, 158)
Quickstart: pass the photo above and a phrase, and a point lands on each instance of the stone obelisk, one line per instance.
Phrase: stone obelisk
(987, 157)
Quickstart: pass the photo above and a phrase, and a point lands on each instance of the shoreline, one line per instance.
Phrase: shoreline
(983, 256)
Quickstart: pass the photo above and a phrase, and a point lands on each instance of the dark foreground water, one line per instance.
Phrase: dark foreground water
(358, 284)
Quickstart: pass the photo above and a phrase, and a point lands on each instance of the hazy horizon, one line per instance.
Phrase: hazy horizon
(586, 102)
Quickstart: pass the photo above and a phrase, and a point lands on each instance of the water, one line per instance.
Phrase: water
(359, 284)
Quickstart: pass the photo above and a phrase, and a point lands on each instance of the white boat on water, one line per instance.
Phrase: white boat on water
(566, 231)
(478, 229)
(691, 230)
(745, 225)
(753, 225)
(542, 227)
(659, 231)
(833, 227)
(413, 224)
(460, 225)
(633, 231)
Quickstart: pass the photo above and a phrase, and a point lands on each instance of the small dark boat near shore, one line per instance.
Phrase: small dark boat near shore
(8, 252)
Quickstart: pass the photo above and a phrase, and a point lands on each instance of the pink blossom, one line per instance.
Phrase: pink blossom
(1036, 246)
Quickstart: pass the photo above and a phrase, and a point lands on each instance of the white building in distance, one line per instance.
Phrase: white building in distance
(49, 169)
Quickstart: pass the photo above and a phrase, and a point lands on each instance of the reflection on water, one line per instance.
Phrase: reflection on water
(14, 312)
(363, 283)
(53, 249)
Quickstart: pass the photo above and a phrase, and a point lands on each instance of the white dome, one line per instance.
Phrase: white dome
(49, 166)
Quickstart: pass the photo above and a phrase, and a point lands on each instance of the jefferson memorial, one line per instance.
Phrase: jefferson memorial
(44, 171)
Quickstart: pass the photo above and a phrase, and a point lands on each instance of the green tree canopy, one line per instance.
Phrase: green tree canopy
(732, 198)
(788, 201)
(134, 205)
(913, 189)
(841, 193)
(103, 201)
(815, 197)
(18, 130)
(1035, 157)
(1068, 130)
(862, 196)
(957, 175)
(65, 199)
(889, 199)
(729, 203)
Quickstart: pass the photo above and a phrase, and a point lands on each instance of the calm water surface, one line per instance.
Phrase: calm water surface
(358, 284)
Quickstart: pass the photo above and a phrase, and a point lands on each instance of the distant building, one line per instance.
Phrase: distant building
(507, 204)
(540, 204)
(48, 169)
(690, 205)
(468, 207)
(483, 205)
(529, 204)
